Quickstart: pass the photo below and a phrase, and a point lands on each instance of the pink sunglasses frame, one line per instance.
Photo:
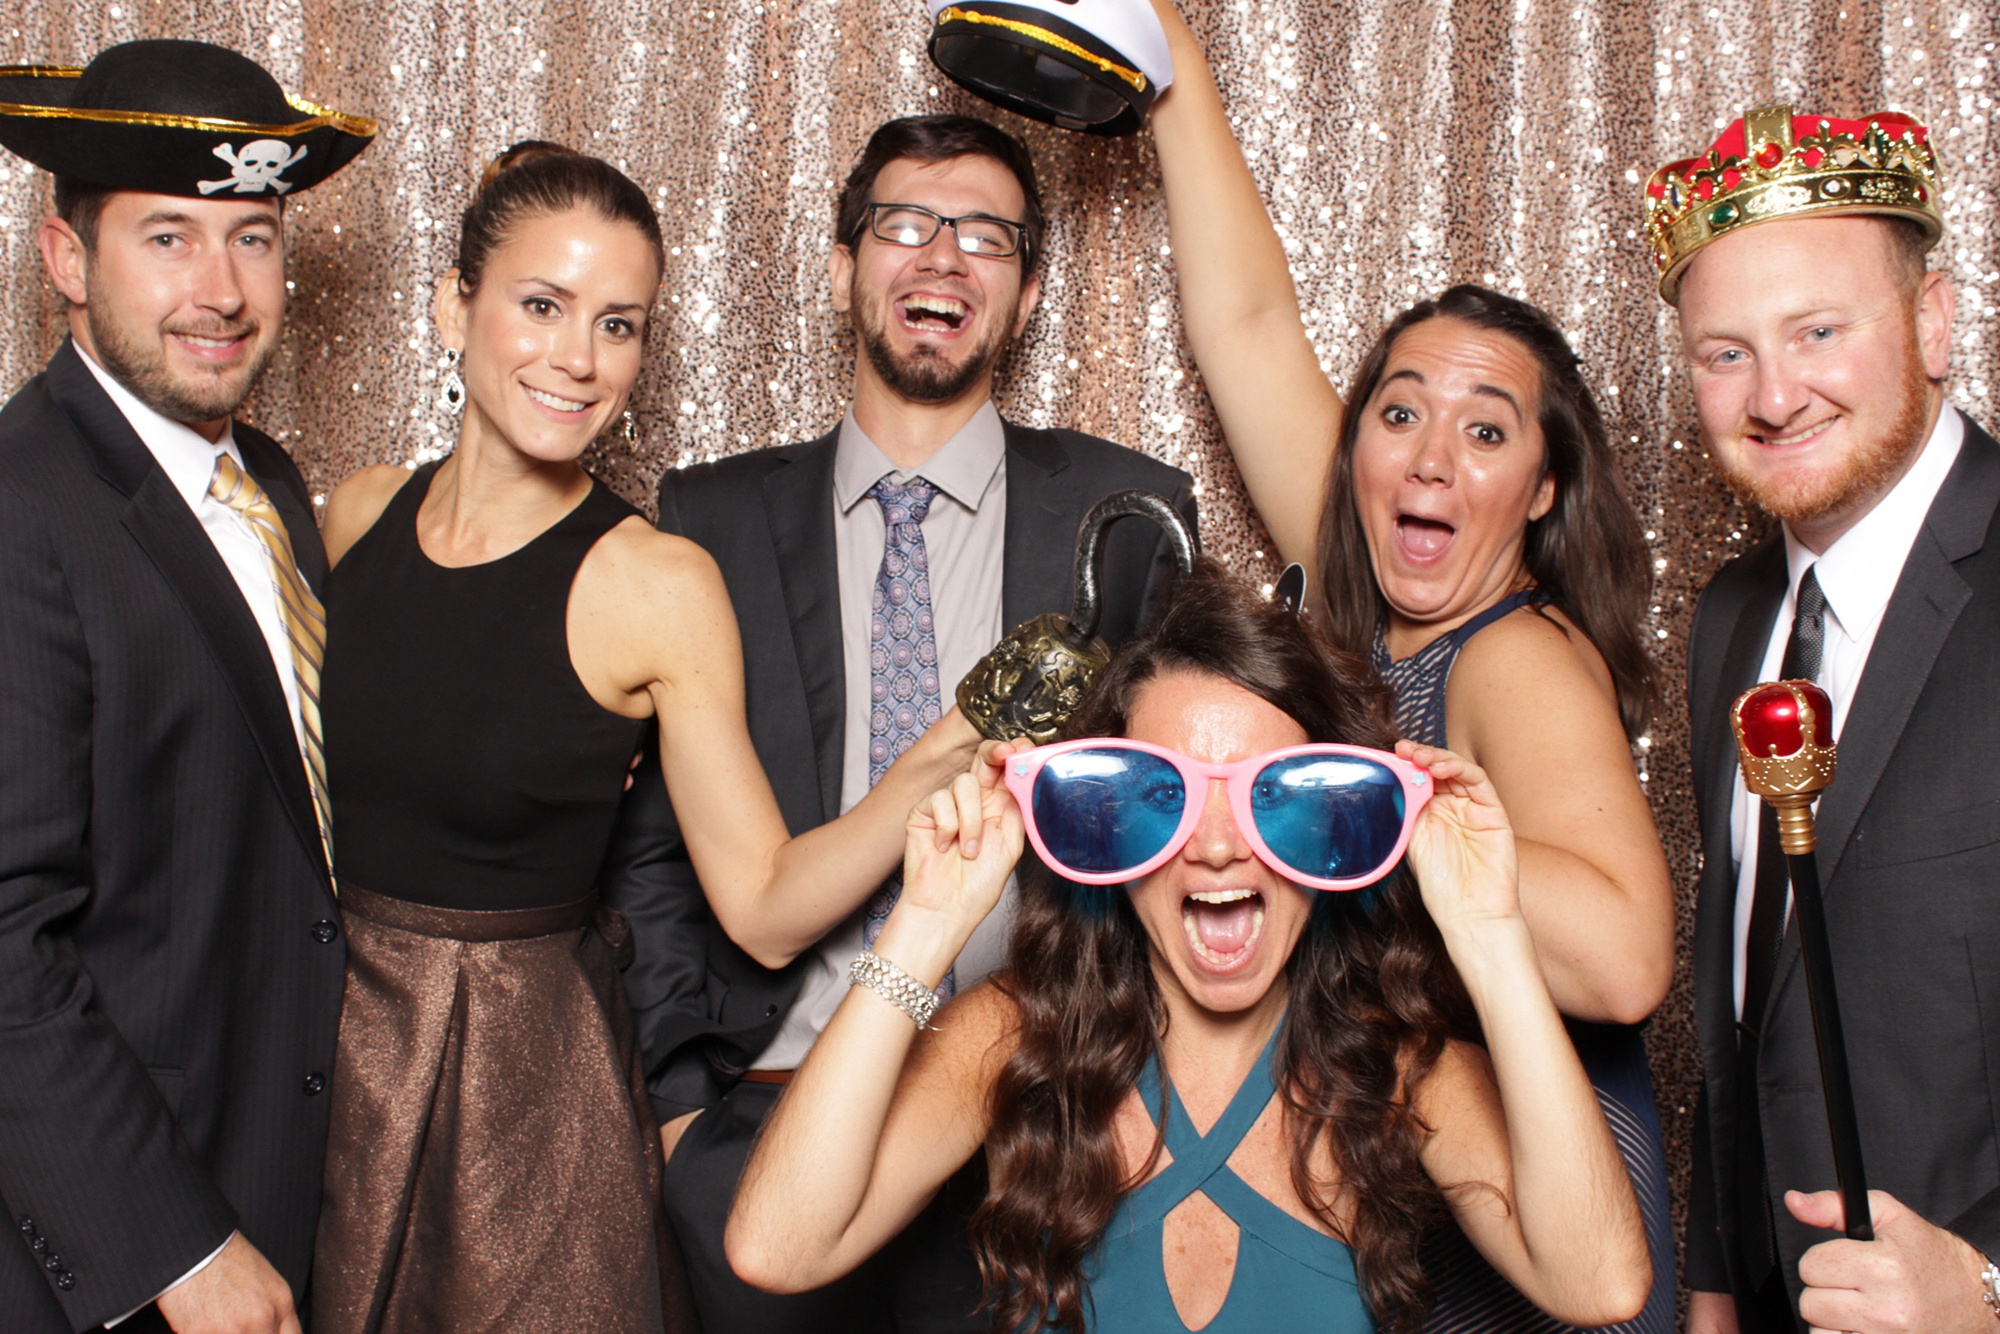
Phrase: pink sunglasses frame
(1026, 766)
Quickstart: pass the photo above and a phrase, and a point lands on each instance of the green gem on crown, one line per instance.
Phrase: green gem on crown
(1723, 214)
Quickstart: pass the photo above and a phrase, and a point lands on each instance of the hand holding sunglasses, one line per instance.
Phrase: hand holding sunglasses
(1109, 810)
(1463, 854)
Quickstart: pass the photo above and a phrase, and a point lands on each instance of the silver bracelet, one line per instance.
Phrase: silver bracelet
(1989, 1280)
(885, 979)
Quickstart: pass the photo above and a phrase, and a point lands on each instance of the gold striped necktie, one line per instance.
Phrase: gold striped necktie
(299, 607)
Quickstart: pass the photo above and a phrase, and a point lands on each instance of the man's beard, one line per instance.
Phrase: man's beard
(142, 368)
(925, 375)
(1868, 472)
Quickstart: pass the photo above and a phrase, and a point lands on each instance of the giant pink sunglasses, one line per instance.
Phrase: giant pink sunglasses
(1106, 810)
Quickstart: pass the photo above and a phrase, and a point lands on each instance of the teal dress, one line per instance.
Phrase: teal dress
(1288, 1276)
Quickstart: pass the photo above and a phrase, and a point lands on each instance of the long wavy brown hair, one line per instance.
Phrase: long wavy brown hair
(1586, 552)
(1373, 998)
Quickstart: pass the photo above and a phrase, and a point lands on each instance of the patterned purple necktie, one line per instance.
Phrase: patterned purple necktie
(904, 692)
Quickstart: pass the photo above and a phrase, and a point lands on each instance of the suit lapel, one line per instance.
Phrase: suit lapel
(160, 521)
(798, 500)
(1928, 598)
(1042, 508)
(1749, 638)
(1757, 595)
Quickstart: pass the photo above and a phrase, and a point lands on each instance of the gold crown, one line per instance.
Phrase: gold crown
(1772, 164)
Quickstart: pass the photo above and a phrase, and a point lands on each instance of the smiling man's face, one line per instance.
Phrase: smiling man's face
(182, 300)
(1815, 360)
(932, 320)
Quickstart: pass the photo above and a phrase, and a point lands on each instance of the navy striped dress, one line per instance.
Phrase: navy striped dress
(1471, 1297)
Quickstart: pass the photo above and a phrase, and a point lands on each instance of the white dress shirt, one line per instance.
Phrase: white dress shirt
(1858, 573)
(965, 534)
(188, 459)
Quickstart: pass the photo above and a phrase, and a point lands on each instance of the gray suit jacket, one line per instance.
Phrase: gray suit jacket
(705, 1008)
(1909, 858)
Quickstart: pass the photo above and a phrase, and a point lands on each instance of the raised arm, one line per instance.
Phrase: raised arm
(651, 617)
(880, 1115)
(1534, 707)
(1278, 411)
(1518, 1144)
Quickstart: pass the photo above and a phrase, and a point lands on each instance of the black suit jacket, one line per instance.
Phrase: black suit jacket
(1909, 857)
(164, 995)
(705, 1008)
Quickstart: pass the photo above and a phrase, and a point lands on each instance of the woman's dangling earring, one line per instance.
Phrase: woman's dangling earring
(451, 394)
(630, 431)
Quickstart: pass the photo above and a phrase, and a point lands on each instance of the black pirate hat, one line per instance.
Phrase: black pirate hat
(174, 118)
(1092, 65)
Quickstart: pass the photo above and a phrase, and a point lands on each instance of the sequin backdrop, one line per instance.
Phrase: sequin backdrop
(1403, 147)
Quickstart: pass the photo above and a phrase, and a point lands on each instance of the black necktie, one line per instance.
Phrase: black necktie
(1760, 956)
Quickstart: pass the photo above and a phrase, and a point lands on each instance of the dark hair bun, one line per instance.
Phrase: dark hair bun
(520, 155)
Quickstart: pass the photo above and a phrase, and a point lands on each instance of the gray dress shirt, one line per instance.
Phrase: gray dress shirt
(965, 538)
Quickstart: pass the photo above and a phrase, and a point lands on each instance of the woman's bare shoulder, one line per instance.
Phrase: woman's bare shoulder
(643, 551)
(1534, 649)
(357, 503)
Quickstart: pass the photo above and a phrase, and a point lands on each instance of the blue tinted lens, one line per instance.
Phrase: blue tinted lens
(1102, 811)
(1331, 816)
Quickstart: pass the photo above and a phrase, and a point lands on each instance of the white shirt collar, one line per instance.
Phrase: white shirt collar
(184, 454)
(1858, 573)
(962, 468)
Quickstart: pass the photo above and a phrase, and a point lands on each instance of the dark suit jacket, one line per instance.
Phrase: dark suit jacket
(163, 993)
(705, 1008)
(1909, 858)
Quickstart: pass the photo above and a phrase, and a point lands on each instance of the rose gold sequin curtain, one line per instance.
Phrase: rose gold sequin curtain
(1403, 146)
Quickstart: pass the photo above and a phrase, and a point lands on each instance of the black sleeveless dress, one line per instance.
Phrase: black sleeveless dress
(1471, 1297)
(493, 1162)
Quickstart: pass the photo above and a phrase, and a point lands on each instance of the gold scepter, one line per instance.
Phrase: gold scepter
(1784, 739)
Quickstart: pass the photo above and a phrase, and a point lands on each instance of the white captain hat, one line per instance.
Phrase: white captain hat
(1091, 65)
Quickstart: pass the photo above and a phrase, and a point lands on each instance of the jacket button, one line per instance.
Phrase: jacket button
(315, 1083)
(53, 1263)
(65, 1280)
(27, 1227)
(770, 1010)
(40, 1244)
(324, 932)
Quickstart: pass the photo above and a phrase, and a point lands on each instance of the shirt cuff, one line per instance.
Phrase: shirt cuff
(175, 1284)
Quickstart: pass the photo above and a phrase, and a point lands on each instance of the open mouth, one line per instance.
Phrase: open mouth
(1423, 539)
(932, 314)
(550, 401)
(1223, 925)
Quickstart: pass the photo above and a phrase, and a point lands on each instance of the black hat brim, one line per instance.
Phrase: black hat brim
(1030, 61)
(167, 154)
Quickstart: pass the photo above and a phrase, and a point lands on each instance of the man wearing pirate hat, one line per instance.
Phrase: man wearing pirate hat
(1817, 345)
(170, 957)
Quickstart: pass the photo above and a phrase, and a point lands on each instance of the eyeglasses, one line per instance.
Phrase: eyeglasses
(976, 233)
(1106, 810)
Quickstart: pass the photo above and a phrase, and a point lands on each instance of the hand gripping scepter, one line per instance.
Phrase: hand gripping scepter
(1784, 739)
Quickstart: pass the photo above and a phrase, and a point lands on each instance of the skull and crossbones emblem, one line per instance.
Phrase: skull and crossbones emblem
(255, 168)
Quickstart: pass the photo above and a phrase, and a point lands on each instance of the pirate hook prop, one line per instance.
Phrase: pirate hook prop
(1784, 740)
(1034, 679)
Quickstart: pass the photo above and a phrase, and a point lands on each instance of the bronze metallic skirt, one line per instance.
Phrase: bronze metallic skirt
(493, 1162)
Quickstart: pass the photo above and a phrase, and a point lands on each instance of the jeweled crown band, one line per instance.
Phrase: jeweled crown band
(1772, 164)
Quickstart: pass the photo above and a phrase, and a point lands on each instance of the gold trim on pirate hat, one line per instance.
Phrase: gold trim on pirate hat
(1773, 164)
(1092, 65)
(174, 118)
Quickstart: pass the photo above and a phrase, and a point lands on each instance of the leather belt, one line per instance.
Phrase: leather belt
(768, 1076)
